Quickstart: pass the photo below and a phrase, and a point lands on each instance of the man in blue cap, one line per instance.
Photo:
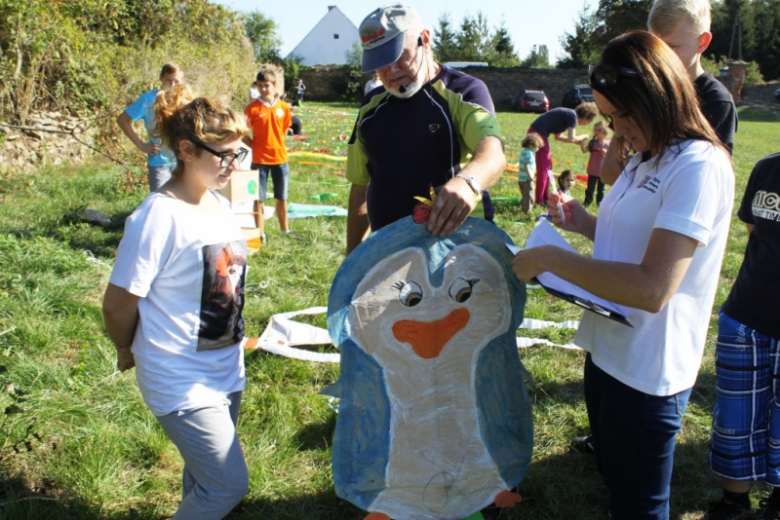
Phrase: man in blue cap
(432, 126)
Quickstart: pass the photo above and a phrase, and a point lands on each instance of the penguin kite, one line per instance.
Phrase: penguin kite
(434, 418)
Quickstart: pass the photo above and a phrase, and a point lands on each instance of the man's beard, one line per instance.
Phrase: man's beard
(409, 90)
(416, 84)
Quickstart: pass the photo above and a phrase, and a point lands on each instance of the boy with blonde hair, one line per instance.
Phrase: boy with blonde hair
(684, 25)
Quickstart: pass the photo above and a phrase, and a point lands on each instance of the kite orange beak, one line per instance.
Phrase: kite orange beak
(429, 338)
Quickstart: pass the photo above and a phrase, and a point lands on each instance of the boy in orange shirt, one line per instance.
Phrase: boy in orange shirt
(269, 118)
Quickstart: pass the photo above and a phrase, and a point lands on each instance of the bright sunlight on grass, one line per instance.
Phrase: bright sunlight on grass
(77, 442)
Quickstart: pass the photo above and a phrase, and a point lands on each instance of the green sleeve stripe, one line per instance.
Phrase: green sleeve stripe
(473, 121)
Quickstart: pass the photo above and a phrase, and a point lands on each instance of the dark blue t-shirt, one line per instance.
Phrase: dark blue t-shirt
(555, 122)
(401, 147)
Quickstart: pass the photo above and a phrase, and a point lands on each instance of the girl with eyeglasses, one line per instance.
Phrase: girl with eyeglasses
(658, 243)
(173, 307)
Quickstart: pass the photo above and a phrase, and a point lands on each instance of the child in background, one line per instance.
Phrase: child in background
(597, 147)
(160, 160)
(254, 93)
(527, 170)
(300, 90)
(562, 124)
(269, 118)
(566, 182)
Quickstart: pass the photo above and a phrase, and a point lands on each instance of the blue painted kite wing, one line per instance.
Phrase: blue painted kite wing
(361, 443)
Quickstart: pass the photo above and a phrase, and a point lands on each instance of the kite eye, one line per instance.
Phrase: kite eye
(460, 290)
(410, 293)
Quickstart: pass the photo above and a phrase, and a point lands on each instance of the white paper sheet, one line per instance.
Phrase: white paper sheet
(545, 234)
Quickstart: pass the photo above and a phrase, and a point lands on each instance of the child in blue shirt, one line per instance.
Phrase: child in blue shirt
(160, 160)
(531, 143)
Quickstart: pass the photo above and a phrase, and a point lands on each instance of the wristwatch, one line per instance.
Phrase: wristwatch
(472, 182)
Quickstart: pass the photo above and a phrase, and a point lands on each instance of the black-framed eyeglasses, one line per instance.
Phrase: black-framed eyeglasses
(225, 158)
(606, 75)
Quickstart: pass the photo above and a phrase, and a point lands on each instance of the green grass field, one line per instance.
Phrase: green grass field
(77, 442)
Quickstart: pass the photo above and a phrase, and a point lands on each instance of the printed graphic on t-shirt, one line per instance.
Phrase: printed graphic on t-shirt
(222, 299)
(766, 205)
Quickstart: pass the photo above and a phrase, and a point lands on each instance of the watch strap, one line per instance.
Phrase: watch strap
(473, 184)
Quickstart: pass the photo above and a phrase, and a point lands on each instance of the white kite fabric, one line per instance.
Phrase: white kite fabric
(283, 334)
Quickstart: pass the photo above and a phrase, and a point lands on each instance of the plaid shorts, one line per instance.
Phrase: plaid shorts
(745, 442)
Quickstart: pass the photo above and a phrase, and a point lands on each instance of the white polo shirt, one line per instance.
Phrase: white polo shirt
(691, 192)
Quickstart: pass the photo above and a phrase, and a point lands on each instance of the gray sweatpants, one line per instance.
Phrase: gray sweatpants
(215, 476)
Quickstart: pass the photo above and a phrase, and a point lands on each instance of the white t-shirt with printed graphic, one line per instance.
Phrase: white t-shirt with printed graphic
(189, 270)
(691, 192)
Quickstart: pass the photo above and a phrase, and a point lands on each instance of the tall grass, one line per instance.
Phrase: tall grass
(76, 440)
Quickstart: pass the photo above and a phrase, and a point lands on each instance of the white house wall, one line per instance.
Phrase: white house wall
(319, 47)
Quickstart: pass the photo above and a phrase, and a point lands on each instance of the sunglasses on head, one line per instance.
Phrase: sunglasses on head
(606, 75)
(226, 158)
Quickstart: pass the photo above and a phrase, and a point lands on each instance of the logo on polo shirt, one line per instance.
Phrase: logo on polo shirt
(643, 181)
(434, 127)
(649, 183)
(766, 205)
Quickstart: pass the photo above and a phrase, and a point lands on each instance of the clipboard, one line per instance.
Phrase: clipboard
(544, 233)
(589, 305)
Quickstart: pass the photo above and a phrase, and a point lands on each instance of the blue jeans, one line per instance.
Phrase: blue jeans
(280, 175)
(634, 435)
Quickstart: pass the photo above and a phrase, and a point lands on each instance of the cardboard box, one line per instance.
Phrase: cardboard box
(241, 188)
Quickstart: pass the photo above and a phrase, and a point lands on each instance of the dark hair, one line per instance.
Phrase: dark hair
(661, 97)
(564, 174)
(170, 68)
(266, 75)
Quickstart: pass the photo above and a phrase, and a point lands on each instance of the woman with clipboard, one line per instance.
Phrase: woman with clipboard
(658, 243)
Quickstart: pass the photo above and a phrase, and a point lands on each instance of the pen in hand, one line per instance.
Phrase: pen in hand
(560, 211)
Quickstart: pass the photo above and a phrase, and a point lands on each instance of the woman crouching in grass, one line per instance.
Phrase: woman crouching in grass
(174, 301)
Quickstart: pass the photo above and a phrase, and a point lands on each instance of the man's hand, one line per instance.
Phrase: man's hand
(454, 203)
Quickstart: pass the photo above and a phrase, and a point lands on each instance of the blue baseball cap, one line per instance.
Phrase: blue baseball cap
(382, 34)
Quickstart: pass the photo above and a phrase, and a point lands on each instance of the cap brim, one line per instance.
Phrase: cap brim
(384, 55)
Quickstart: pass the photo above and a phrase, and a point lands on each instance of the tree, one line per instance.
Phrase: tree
(503, 52)
(261, 31)
(578, 46)
(539, 58)
(473, 40)
(615, 17)
(594, 31)
(445, 46)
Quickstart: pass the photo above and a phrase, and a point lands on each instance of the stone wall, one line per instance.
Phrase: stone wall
(762, 93)
(505, 84)
(319, 81)
(46, 138)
